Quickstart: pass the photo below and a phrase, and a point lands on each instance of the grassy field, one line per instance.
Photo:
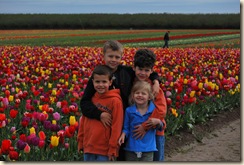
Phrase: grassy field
(131, 38)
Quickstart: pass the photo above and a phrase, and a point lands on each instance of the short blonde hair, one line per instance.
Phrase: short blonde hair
(114, 45)
(141, 85)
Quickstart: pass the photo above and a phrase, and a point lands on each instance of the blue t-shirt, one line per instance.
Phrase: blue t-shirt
(132, 119)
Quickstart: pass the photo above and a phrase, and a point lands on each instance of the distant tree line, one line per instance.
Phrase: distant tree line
(120, 21)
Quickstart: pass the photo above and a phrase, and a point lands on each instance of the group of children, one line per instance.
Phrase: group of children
(123, 109)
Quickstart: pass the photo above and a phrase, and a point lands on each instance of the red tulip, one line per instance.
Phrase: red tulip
(13, 113)
(41, 144)
(169, 101)
(7, 93)
(5, 147)
(42, 135)
(27, 149)
(13, 155)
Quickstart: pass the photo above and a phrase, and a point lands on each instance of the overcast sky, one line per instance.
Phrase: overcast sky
(119, 6)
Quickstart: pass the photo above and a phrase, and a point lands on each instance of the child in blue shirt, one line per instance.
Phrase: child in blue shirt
(142, 107)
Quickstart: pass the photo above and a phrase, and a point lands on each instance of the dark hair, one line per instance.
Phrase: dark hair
(114, 45)
(144, 58)
(102, 70)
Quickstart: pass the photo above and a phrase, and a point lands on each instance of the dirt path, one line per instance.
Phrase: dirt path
(223, 144)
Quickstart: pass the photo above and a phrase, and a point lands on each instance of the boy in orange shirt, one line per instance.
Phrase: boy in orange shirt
(144, 61)
(99, 142)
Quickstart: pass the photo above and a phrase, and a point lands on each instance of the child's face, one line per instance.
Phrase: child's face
(112, 59)
(101, 83)
(141, 97)
(142, 73)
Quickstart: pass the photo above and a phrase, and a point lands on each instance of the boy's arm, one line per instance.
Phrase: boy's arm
(160, 110)
(88, 109)
(117, 124)
(154, 77)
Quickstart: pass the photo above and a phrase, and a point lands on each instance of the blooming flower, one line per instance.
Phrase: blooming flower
(56, 116)
(174, 112)
(13, 113)
(27, 149)
(32, 130)
(5, 146)
(13, 155)
(54, 141)
(21, 144)
(72, 120)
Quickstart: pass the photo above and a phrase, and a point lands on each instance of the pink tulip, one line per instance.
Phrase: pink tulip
(168, 94)
(27, 149)
(56, 116)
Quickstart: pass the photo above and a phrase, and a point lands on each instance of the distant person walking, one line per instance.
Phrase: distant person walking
(166, 39)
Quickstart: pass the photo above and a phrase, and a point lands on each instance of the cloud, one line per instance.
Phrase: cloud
(119, 6)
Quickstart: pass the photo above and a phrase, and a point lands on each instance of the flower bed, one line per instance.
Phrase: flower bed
(41, 88)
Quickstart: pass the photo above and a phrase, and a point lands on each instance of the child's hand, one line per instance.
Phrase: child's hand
(155, 88)
(121, 139)
(106, 119)
(139, 132)
(111, 158)
(151, 122)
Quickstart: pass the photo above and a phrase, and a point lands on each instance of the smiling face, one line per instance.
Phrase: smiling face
(142, 73)
(112, 58)
(141, 96)
(101, 83)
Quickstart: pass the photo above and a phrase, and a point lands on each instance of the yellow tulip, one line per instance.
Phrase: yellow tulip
(52, 99)
(229, 72)
(54, 141)
(40, 107)
(174, 112)
(17, 89)
(200, 85)
(32, 130)
(192, 94)
(237, 78)
(50, 85)
(10, 98)
(54, 122)
(220, 76)
(72, 120)
(185, 81)
(54, 92)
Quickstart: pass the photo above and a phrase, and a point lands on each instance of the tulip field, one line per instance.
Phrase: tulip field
(43, 75)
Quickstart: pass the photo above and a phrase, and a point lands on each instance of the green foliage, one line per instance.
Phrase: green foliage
(119, 21)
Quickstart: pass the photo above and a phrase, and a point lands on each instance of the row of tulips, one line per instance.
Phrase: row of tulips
(185, 41)
(176, 37)
(67, 33)
(41, 88)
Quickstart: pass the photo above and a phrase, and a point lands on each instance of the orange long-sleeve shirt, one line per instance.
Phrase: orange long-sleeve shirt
(160, 111)
(93, 136)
